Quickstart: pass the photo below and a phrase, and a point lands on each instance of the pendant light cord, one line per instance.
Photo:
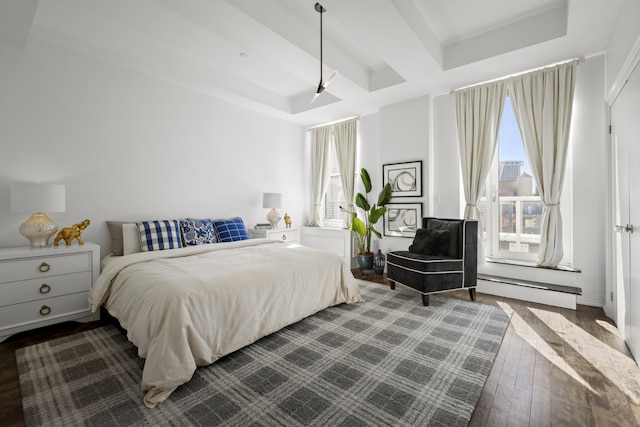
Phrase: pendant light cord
(321, 11)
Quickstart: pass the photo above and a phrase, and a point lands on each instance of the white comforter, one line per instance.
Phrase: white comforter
(188, 307)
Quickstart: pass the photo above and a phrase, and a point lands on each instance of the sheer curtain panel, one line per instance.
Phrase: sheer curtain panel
(542, 101)
(320, 169)
(345, 136)
(478, 114)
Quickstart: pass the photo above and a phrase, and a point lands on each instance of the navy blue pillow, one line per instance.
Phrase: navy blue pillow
(230, 230)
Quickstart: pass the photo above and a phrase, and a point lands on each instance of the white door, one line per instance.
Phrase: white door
(626, 148)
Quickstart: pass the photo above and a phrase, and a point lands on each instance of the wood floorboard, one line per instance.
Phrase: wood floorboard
(542, 373)
(540, 415)
(483, 409)
(526, 367)
(555, 367)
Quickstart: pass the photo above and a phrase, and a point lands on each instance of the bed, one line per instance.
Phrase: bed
(187, 307)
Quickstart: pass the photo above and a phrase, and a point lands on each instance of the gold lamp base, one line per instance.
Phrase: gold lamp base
(38, 229)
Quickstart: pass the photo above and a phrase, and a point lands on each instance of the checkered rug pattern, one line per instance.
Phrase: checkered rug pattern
(389, 361)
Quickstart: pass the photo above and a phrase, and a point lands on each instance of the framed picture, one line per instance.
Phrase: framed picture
(402, 219)
(405, 178)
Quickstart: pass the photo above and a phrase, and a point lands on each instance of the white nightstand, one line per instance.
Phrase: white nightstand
(40, 287)
(289, 235)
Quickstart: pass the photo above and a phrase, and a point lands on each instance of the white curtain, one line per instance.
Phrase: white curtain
(542, 101)
(345, 136)
(320, 170)
(478, 114)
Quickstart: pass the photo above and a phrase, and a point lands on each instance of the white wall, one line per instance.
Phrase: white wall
(131, 147)
(446, 176)
(588, 136)
(403, 136)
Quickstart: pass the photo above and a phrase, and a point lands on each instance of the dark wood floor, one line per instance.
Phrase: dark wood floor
(558, 367)
(555, 367)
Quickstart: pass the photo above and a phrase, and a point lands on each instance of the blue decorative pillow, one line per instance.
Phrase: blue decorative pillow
(230, 230)
(197, 231)
(159, 235)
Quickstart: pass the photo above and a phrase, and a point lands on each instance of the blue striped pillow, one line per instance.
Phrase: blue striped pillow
(230, 230)
(159, 235)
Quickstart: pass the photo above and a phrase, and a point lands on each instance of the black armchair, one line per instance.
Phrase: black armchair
(443, 257)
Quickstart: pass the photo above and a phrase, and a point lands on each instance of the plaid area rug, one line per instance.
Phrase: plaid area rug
(386, 361)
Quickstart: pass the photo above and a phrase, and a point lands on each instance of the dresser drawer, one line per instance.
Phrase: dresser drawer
(48, 308)
(38, 267)
(46, 287)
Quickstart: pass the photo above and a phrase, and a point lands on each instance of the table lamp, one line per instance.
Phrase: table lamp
(273, 201)
(38, 198)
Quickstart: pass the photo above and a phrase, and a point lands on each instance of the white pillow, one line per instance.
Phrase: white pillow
(130, 238)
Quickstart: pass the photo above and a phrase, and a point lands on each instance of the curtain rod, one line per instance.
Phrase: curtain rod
(333, 123)
(580, 61)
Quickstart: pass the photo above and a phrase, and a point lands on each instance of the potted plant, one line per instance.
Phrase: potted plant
(372, 214)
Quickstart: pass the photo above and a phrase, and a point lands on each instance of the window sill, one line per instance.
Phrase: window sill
(532, 265)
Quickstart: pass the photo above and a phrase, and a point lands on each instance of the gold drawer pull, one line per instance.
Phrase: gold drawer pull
(45, 289)
(44, 267)
(44, 310)
(284, 237)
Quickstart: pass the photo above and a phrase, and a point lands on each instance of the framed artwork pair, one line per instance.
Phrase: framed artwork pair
(403, 219)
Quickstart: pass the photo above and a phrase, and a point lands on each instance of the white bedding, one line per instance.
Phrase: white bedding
(188, 307)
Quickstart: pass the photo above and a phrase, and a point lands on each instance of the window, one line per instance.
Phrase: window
(334, 197)
(511, 206)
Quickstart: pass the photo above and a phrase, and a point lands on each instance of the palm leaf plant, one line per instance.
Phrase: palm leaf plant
(364, 228)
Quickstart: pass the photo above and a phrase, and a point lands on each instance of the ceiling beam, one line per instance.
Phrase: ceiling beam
(16, 19)
(382, 27)
(542, 27)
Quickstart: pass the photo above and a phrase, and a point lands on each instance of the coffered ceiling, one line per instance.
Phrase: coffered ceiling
(264, 54)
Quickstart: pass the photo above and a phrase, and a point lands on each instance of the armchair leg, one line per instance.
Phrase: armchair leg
(472, 294)
(425, 299)
(392, 284)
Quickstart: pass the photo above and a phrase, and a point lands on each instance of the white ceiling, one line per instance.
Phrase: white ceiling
(264, 54)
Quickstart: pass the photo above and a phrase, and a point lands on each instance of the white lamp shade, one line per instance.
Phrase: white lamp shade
(271, 200)
(30, 197)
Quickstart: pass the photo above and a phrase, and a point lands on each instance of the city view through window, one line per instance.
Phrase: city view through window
(513, 209)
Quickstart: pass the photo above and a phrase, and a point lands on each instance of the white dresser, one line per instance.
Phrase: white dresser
(40, 287)
(289, 235)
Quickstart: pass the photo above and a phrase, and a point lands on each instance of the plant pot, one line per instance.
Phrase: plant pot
(365, 261)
